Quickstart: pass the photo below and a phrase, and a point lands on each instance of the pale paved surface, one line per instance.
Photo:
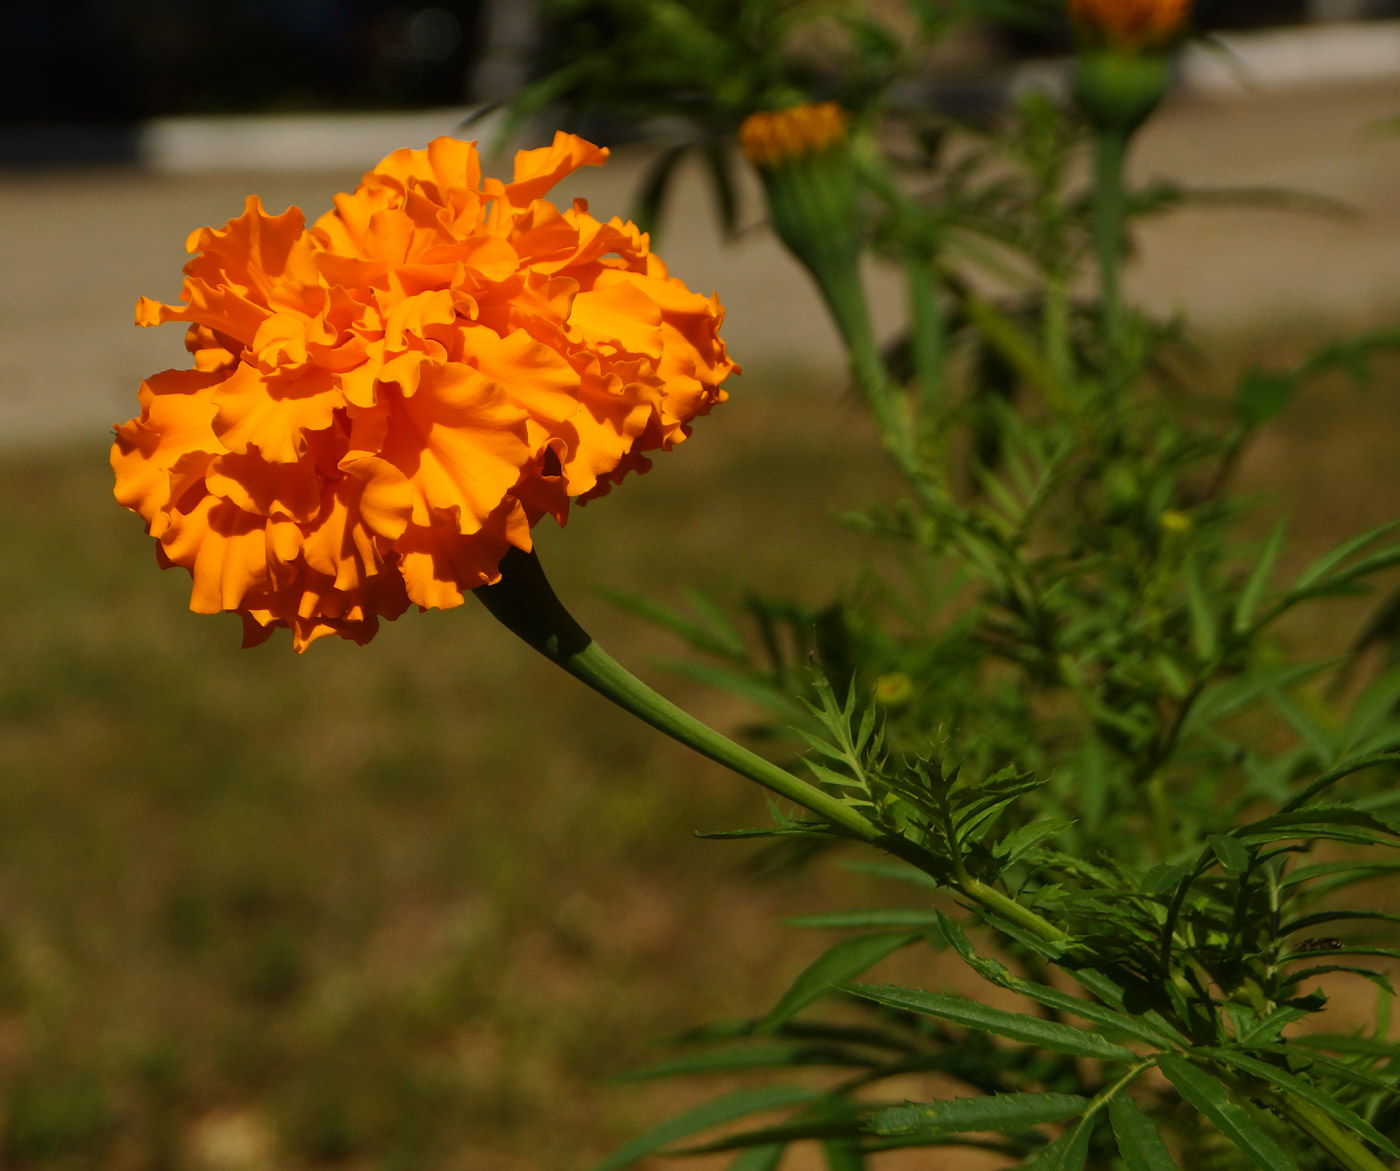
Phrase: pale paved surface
(77, 248)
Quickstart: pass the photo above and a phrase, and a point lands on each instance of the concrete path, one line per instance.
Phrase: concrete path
(77, 248)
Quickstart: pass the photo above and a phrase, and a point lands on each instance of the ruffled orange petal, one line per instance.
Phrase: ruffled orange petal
(461, 443)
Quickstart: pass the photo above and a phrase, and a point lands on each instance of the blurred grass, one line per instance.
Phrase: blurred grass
(405, 906)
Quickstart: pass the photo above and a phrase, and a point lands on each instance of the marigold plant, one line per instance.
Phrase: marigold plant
(382, 405)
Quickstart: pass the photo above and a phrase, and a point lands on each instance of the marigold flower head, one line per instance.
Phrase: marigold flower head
(1131, 24)
(383, 404)
(772, 138)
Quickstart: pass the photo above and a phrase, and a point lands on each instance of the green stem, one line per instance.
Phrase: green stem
(1348, 1150)
(927, 330)
(526, 605)
(1110, 149)
(991, 899)
(844, 293)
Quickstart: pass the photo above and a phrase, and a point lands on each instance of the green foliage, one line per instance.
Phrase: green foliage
(1127, 804)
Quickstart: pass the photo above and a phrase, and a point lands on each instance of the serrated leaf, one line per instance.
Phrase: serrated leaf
(1023, 840)
(1069, 1152)
(1343, 770)
(1318, 918)
(843, 962)
(999, 1112)
(1212, 1099)
(993, 971)
(715, 1112)
(1138, 1139)
(1341, 1070)
(1276, 1076)
(1015, 1026)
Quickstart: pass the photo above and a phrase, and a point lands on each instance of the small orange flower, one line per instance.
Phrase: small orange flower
(770, 138)
(1131, 24)
(382, 405)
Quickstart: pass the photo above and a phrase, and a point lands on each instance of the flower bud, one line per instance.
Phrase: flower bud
(1130, 24)
(1118, 90)
(1122, 73)
(803, 157)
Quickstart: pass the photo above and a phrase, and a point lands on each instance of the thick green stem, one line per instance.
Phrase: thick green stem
(1110, 149)
(526, 605)
(991, 899)
(1348, 1150)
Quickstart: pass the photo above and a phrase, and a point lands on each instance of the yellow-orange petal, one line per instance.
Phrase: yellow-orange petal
(266, 489)
(461, 443)
(274, 413)
(536, 171)
(619, 315)
(440, 566)
(225, 550)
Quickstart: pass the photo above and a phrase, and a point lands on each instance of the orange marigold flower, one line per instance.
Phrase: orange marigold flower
(1131, 23)
(382, 405)
(770, 138)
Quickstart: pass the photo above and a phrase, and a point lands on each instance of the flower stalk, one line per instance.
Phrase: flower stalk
(804, 158)
(524, 602)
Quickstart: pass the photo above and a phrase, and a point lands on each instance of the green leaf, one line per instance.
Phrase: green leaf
(843, 962)
(1276, 1076)
(1138, 1139)
(656, 185)
(1341, 772)
(1001, 1112)
(1024, 839)
(1211, 1098)
(875, 918)
(1127, 1024)
(719, 164)
(1262, 394)
(748, 1057)
(843, 1156)
(1069, 1152)
(1339, 553)
(1341, 823)
(1204, 638)
(765, 1158)
(900, 871)
(1253, 589)
(723, 642)
(1016, 1026)
(1232, 855)
(715, 1112)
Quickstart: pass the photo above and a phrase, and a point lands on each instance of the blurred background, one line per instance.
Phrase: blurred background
(410, 905)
